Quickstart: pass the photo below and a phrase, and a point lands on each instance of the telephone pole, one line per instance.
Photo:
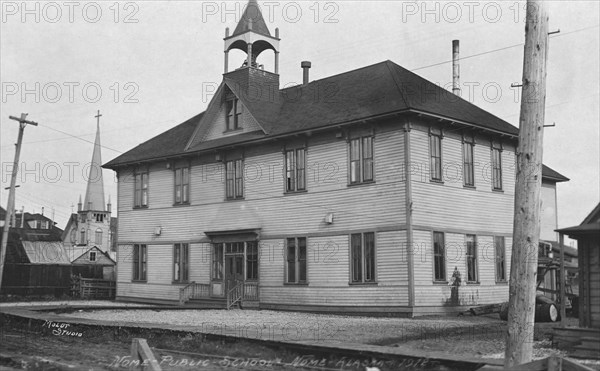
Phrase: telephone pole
(11, 194)
(526, 227)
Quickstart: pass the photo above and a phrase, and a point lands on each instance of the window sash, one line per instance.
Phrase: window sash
(296, 267)
(439, 257)
(435, 148)
(139, 262)
(251, 261)
(471, 242)
(182, 180)
(468, 166)
(239, 179)
(290, 173)
(217, 262)
(500, 252)
(361, 160)
(367, 159)
(180, 262)
(496, 168)
(363, 259)
(295, 170)
(234, 179)
(140, 189)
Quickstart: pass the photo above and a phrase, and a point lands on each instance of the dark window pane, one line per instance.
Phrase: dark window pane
(356, 252)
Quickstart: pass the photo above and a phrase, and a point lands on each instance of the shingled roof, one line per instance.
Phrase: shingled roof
(369, 92)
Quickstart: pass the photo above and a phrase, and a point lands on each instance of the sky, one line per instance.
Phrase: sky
(150, 65)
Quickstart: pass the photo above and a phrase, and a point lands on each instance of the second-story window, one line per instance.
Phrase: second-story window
(234, 179)
(496, 166)
(140, 198)
(233, 118)
(361, 160)
(435, 153)
(468, 164)
(295, 170)
(182, 185)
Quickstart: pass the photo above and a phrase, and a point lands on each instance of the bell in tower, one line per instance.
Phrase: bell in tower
(252, 36)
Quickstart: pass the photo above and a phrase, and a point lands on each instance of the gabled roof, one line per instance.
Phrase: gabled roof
(98, 250)
(589, 226)
(553, 175)
(373, 91)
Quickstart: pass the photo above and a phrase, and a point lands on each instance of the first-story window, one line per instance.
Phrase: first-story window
(234, 179)
(140, 262)
(217, 262)
(361, 160)
(140, 198)
(98, 236)
(500, 251)
(251, 261)
(362, 251)
(181, 256)
(295, 165)
(471, 242)
(439, 257)
(296, 260)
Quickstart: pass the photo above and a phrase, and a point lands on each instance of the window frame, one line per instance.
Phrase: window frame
(472, 258)
(503, 260)
(181, 263)
(233, 114)
(234, 176)
(363, 262)
(217, 262)
(140, 265)
(83, 236)
(94, 256)
(251, 264)
(358, 166)
(439, 255)
(296, 262)
(141, 194)
(181, 184)
(98, 233)
(468, 148)
(496, 167)
(297, 173)
(435, 170)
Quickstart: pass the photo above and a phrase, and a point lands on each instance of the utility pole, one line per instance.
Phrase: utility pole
(11, 194)
(526, 228)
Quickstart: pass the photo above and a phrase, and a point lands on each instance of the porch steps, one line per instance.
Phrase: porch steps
(589, 348)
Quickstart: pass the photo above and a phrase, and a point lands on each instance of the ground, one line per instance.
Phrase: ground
(463, 337)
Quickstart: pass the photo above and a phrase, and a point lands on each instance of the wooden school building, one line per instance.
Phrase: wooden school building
(371, 191)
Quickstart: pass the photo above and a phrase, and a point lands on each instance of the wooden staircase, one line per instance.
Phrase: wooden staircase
(579, 342)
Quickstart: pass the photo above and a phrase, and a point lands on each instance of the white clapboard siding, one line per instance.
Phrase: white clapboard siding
(328, 273)
(488, 291)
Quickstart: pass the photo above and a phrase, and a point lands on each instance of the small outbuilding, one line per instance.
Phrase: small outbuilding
(585, 339)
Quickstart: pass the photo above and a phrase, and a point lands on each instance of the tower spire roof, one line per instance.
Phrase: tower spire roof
(252, 20)
(94, 193)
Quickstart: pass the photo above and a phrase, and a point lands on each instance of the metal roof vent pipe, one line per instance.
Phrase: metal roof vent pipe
(305, 67)
(455, 68)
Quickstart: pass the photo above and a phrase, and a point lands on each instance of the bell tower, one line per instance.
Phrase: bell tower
(252, 36)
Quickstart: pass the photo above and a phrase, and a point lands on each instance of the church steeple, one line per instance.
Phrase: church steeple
(252, 36)
(94, 194)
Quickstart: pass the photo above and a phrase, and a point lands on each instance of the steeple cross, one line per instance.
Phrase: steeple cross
(98, 117)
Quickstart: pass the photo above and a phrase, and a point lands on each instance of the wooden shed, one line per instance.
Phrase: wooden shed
(586, 338)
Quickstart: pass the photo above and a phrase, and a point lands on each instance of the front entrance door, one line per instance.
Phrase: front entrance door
(234, 270)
